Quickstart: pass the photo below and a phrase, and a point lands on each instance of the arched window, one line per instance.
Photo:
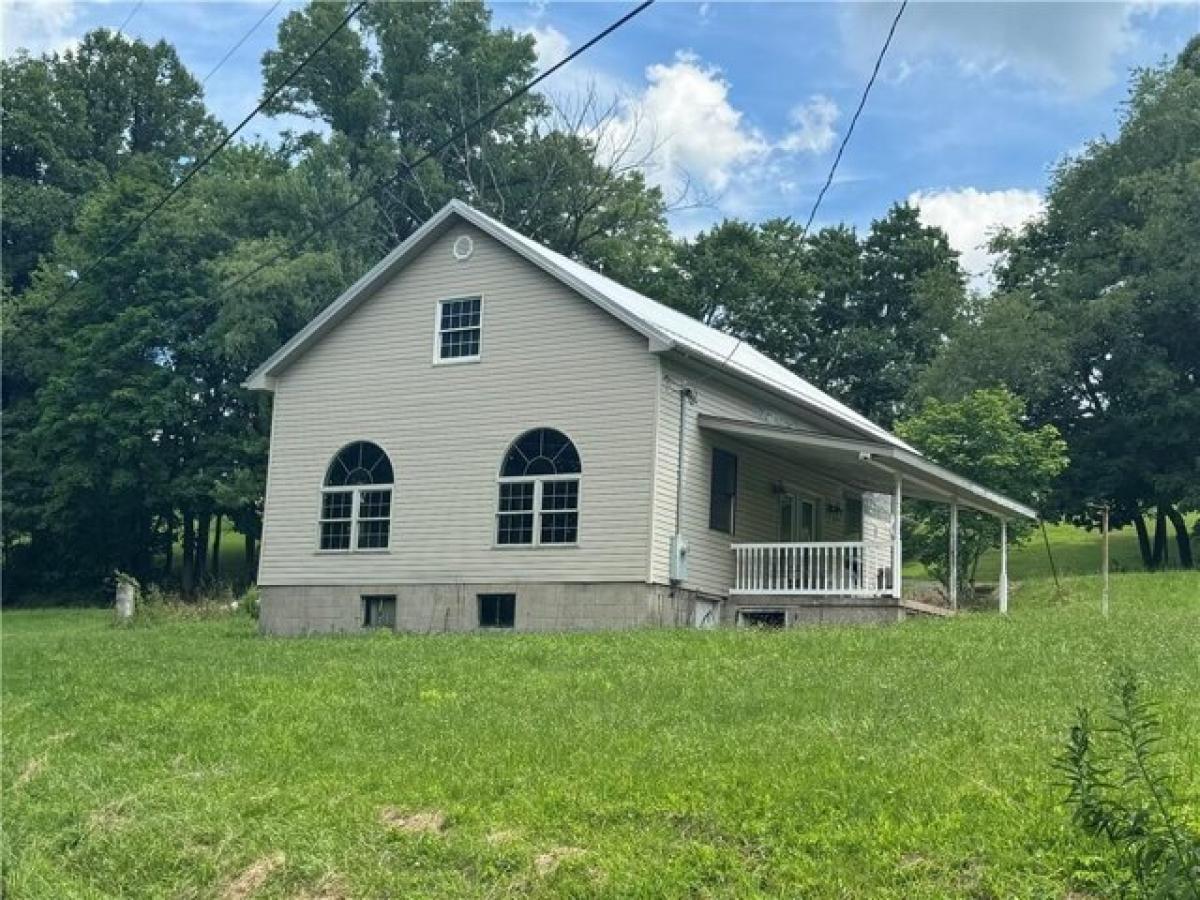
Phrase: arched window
(539, 490)
(356, 499)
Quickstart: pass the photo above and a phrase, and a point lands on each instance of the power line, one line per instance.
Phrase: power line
(130, 15)
(862, 102)
(409, 168)
(232, 50)
(854, 119)
(208, 157)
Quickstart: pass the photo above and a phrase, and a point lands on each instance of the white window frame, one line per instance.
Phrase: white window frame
(356, 492)
(537, 481)
(437, 332)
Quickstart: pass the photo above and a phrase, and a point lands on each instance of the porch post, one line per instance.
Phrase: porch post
(897, 550)
(954, 554)
(1004, 566)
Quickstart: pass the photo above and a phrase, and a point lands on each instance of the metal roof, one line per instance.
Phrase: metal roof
(871, 465)
(666, 328)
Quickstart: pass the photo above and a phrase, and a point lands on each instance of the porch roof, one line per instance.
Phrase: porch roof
(870, 465)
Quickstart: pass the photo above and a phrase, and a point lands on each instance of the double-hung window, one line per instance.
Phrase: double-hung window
(539, 491)
(356, 500)
(460, 329)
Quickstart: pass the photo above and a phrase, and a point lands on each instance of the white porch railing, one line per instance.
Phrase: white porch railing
(822, 568)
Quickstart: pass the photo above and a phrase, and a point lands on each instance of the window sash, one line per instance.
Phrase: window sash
(355, 519)
(538, 512)
(474, 312)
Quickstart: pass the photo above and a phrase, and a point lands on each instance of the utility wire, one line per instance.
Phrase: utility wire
(862, 102)
(208, 157)
(130, 15)
(232, 50)
(410, 168)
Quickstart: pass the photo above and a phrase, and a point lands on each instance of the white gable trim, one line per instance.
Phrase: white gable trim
(665, 328)
(262, 379)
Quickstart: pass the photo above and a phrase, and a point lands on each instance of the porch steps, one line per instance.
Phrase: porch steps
(925, 609)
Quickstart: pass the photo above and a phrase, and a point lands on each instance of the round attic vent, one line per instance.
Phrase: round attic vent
(463, 248)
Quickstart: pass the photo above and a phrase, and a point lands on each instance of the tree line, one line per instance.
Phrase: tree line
(128, 439)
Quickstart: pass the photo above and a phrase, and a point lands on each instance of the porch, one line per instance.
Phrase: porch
(803, 569)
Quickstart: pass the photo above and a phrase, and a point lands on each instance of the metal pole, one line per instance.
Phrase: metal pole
(954, 554)
(1104, 592)
(897, 549)
(1004, 566)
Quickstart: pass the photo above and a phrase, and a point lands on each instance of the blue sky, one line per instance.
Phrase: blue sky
(746, 102)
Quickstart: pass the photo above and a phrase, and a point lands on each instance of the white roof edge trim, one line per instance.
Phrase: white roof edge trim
(386, 267)
(548, 265)
(958, 486)
(258, 379)
(664, 327)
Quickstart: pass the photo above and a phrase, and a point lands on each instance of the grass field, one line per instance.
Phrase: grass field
(195, 759)
(1076, 551)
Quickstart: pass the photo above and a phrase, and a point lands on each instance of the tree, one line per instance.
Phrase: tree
(1009, 342)
(859, 319)
(71, 120)
(411, 74)
(138, 432)
(1104, 292)
(985, 438)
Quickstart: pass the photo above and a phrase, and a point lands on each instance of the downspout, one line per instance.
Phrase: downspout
(679, 548)
(686, 396)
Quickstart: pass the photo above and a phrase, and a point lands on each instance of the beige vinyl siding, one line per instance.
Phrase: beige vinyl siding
(550, 358)
(710, 564)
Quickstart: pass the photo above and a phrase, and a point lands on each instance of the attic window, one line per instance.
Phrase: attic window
(460, 329)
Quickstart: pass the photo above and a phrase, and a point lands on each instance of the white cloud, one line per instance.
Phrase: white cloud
(814, 121)
(970, 217)
(686, 127)
(550, 45)
(1073, 47)
(43, 26)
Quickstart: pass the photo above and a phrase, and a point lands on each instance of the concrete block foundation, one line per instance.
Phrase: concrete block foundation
(426, 608)
(818, 610)
(435, 608)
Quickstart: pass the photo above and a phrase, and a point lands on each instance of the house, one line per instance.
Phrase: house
(482, 433)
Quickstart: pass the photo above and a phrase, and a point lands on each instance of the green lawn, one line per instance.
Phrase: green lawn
(1076, 552)
(195, 759)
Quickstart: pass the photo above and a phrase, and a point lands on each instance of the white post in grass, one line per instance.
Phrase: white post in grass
(897, 549)
(127, 589)
(954, 554)
(1104, 593)
(1004, 566)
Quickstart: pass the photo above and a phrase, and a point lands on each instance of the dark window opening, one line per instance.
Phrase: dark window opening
(722, 490)
(497, 610)
(379, 611)
(762, 618)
